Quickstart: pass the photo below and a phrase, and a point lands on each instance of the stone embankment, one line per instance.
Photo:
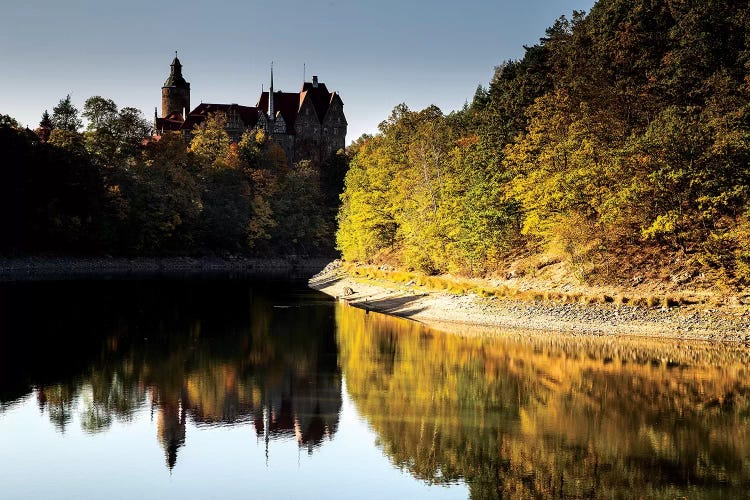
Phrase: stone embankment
(45, 268)
(470, 313)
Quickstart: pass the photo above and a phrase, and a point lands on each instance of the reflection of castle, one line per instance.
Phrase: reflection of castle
(292, 409)
(277, 372)
(308, 412)
(171, 429)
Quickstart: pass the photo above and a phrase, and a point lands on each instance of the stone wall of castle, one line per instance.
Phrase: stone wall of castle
(174, 99)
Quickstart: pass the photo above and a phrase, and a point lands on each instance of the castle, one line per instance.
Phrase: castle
(308, 125)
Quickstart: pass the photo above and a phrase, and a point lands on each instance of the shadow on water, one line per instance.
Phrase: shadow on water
(216, 352)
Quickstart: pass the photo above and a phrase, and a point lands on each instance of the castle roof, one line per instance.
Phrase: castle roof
(289, 103)
(248, 114)
(320, 96)
(175, 78)
(285, 102)
(172, 122)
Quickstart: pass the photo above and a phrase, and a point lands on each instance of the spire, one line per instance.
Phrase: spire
(175, 75)
(271, 114)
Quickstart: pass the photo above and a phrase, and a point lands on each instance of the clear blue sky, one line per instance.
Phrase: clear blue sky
(375, 53)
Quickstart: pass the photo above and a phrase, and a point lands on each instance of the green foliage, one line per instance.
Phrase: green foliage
(46, 120)
(226, 210)
(162, 200)
(51, 195)
(113, 135)
(65, 116)
(68, 140)
(420, 190)
(9, 122)
(629, 125)
(301, 225)
(115, 189)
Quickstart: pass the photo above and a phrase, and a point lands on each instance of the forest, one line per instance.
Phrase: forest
(114, 189)
(620, 140)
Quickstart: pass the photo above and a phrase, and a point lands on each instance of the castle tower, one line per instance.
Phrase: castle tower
(175, 94)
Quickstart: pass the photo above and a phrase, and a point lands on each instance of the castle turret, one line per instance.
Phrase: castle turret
(175, 94)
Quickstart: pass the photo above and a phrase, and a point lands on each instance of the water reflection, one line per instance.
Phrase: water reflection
(216, 353)
(510, 416)
(550, 417)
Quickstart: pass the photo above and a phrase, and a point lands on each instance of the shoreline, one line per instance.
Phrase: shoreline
(475, 315)
(52, 268)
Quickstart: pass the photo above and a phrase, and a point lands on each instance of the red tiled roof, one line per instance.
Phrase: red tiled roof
(168, 123)
(192, 121)
(248, 114)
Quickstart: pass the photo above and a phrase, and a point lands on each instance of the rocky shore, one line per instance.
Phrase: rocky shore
(470, 313)
(46, 268)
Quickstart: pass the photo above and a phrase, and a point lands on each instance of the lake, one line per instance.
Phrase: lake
(224, 388)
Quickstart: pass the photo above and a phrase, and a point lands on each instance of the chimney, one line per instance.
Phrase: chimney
(315, 81)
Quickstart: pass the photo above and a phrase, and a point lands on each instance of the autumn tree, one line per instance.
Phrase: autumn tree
(210, 139)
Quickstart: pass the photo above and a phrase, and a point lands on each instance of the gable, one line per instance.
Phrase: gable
(335, 115)
(285, 102)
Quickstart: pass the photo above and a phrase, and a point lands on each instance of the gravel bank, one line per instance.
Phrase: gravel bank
(448, 311)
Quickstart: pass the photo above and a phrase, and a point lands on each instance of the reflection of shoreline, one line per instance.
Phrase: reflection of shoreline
(211, 353)
(542, 417)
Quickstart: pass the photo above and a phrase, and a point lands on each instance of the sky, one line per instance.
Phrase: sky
(376, 54)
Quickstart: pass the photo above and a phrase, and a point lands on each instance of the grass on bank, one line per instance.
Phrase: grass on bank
(459, 286)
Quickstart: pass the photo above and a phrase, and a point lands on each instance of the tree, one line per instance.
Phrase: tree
(163, 199)
(46, 121)
(113, 136)
(301, 222)
(9, 121)
(210, 139)
(65, 116)
(100, 113)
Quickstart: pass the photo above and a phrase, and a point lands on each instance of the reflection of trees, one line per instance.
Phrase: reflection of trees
(516, 419)
(59, 402)
(213, 353)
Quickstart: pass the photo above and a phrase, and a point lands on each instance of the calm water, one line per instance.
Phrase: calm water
(225, 389)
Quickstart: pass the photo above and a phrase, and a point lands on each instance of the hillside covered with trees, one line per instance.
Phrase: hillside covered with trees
(620, 142)
(115, 189)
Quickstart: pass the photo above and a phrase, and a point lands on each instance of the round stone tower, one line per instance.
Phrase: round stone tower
(175, 94)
